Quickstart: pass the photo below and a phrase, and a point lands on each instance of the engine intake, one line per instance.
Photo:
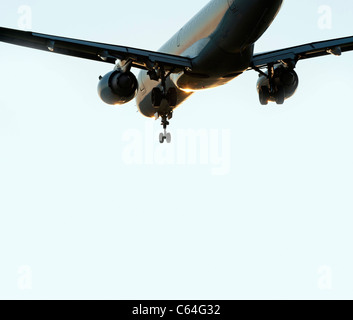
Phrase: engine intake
(117, 87)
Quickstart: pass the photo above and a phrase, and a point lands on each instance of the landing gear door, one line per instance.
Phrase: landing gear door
(233, 5)
(141, 83)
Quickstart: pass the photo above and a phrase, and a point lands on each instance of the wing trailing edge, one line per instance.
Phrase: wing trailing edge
(108, 53)
(311, 50)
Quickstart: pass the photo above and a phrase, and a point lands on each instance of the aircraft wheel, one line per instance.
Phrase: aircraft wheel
(169, 138)
(172, 97)
(161, 138)
(157, 97)
(264, 96)
(280, 95)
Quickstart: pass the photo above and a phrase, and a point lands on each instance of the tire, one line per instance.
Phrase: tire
(280, 95)
(157, 97)
(172, 97)
(169, 138)
(161, 138)
(264, 96)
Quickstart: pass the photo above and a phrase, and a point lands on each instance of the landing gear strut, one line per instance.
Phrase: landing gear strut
(275, 91)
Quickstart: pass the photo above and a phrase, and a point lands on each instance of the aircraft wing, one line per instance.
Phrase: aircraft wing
(306, 51)
(108, 53)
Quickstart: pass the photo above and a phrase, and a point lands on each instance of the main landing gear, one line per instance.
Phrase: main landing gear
(278, 83)
(265, 95)
(164, 101)
(272, 91)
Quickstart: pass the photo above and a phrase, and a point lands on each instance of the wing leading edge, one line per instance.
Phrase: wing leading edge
(142, 59)
(306, 51)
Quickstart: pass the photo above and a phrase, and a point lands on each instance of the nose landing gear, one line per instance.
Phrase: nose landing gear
(165, 136)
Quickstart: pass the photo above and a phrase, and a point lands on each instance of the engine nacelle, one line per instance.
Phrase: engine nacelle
(117, 87)
(284, 86)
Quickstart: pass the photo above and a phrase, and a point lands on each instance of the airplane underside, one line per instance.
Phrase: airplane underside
(213, 48)
(213, 68)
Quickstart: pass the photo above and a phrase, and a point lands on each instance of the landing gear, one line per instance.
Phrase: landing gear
(171, 97)
(165, 136)
(157, 97)
(278, 83)
(276, 92)
(264, 95)
(280, 95)
(164, 110)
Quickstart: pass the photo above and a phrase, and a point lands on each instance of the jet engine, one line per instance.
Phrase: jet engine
(117, 87)
(282, 86)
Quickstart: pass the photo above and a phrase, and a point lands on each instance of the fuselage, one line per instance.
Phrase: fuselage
(220, 41)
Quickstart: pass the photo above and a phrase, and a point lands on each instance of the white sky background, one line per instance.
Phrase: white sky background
(79, 222)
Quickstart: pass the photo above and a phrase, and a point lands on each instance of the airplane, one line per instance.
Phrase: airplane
(213, 48)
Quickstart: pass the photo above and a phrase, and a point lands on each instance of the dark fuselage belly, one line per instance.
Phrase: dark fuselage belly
(220, 40)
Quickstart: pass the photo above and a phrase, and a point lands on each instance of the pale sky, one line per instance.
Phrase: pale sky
(268, 215)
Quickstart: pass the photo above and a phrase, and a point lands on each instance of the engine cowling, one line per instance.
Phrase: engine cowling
(285, 84)
(117, 87)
